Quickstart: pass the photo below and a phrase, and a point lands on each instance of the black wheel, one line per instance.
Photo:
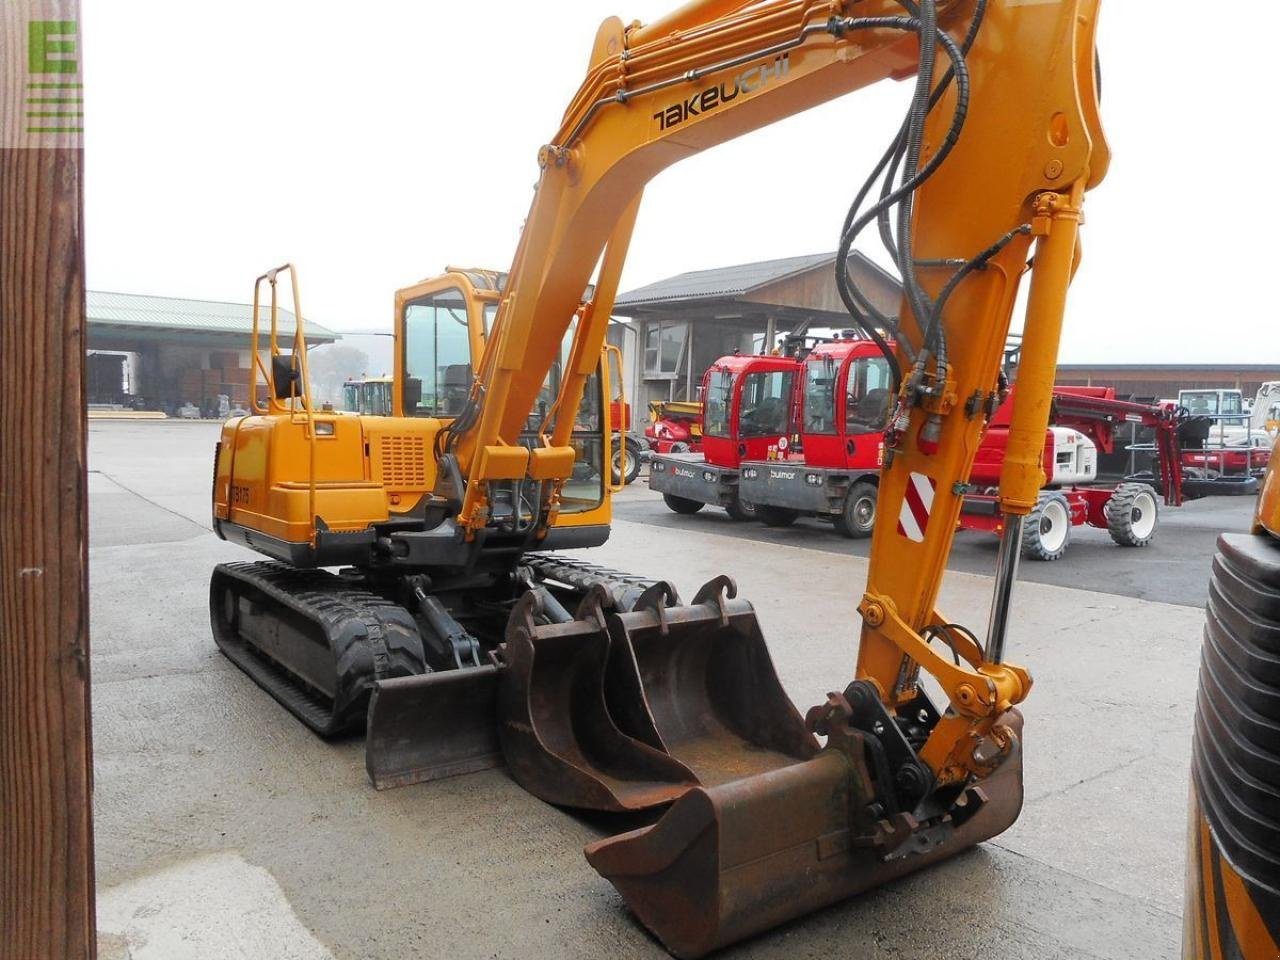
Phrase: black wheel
(1133, 512)
(1046, 533)
(858, 518)
(776, 516)
(741, 510)
(682, 504)
(632, 463)
(679, 447)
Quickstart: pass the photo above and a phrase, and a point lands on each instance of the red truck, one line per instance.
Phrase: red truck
(833, 472)
(748, 405)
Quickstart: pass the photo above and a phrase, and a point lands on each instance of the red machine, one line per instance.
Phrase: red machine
(748, 406)
(835, 472)
(675, 426)
(1084, 422)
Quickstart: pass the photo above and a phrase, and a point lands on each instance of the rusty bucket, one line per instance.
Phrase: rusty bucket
(697, 682)
(729, 861)
(557, 735)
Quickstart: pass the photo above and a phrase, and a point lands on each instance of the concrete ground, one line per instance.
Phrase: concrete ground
(1173, 569)
(225, 830)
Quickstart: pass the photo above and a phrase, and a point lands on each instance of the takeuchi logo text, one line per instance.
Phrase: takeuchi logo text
(704, 101)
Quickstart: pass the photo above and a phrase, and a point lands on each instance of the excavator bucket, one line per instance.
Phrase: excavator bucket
(557, 734)
(697, 682)
(432, 726)
(729, 861)
(623, 711)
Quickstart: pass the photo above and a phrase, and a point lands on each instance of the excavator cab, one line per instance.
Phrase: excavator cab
(311, 489)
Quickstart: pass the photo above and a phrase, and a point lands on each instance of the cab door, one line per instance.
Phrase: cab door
(763, 403)
(820, 435)
(865, 399)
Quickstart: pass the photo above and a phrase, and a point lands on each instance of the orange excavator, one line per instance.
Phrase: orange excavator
(459, 637)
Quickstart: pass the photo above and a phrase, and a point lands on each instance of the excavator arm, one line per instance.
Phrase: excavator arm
(1026, 146)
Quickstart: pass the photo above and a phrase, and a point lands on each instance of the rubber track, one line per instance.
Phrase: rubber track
(371, 638)
(625, 588)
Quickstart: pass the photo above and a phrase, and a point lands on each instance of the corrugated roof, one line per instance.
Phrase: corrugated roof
(732, 281)
(174, 313)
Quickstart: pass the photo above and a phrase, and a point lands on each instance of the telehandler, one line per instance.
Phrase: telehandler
(452, 620)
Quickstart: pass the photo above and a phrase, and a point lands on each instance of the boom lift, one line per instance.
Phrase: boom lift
(1084, 422)
(636, 700)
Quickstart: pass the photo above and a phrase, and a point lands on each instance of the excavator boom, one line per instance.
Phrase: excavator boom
(992, 165)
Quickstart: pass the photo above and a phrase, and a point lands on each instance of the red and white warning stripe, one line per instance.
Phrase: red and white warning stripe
(913, 519)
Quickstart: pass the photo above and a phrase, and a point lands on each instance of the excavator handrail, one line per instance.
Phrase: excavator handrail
(299, 350)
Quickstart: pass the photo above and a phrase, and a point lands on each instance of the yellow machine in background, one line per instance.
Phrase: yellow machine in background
(472, 644)
(1232, 905)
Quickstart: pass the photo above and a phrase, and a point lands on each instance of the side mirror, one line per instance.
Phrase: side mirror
(286, 378)
(412, 394)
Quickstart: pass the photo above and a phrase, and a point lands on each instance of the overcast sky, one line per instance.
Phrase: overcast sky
(373, 144)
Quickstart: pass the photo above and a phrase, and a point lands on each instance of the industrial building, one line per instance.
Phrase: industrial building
(679, 326)
(1164, 380)
(161, 353)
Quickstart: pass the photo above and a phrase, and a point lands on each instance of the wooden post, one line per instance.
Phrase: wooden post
(46, 832)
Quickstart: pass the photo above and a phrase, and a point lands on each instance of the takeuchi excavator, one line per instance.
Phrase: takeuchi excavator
(460, 637)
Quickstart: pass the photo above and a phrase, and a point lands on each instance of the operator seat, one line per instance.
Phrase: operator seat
(455, 388)
(870, 414)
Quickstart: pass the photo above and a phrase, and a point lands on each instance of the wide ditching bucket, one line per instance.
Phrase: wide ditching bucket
(697, 682)
(630, 710)
(556, 731)
(732, 860)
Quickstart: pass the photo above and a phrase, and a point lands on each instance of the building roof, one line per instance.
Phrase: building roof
(192, 316)
(735, 281)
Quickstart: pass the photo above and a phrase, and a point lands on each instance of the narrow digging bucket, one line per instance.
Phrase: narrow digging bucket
(432, 726)
(730, 861)
(697, 682)
(556, 732)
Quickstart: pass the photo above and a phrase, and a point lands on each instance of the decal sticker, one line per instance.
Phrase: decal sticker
(913, 518)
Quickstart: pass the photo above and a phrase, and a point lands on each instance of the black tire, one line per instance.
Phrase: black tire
(679, 447)
(858, 518)
(741, 510)
(1046, 533)
(776, 516)
(1133, 514)
(682, 504)
(633, 463)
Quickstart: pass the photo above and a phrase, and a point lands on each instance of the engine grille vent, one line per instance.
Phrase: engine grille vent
(404, 462)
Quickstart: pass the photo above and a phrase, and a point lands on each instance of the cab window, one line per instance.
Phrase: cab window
(719, 398)
(437, 355)
(766, 402)
(584, 490)
(820, 395)
(867, 395)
